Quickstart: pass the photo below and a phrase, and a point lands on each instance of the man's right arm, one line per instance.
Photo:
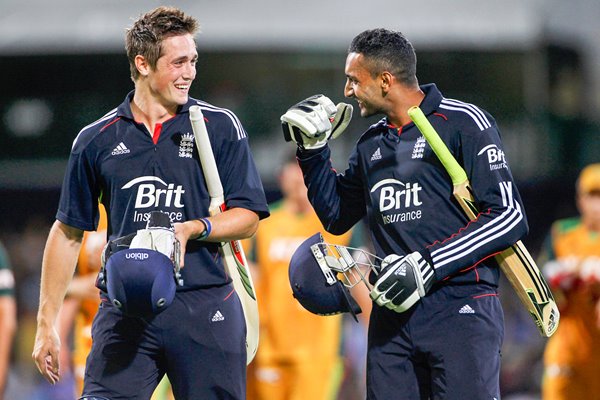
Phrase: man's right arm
(58, 266)
(338, 199)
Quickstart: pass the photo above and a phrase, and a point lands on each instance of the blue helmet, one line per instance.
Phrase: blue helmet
(315, 284)
(140, 271)
(140, 282)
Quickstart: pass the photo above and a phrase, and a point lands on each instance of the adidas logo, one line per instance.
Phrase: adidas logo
(466, 309)
(218, 317)
(376, 155)
(120, 149)
(401, 271)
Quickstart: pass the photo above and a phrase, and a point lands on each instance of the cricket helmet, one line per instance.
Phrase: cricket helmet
(315, 271)
(141, 271)
(140, 282)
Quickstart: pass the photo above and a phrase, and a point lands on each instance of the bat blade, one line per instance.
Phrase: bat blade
(516, 263)
(232, 253)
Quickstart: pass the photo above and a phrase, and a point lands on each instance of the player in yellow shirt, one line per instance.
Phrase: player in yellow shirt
(299, 354)
(572, 354)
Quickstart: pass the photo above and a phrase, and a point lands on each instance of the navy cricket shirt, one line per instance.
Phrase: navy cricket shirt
(115, 159)
(395, 179)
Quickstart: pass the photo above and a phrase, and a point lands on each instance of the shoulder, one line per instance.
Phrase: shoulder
(89, 132)
(221, 118)
(373, 131)
(466, 116)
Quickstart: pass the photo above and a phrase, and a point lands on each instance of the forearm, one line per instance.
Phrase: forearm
(58, 266)
(8, 326)
(338, 201)
(233, 224)
(475, 242)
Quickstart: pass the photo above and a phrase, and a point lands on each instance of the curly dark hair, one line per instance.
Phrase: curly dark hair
(147, 33)
(387, 50)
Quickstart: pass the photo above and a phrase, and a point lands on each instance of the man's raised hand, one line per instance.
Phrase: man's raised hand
(315, 120)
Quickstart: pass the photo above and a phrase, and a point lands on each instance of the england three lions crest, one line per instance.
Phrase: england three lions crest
(186, 145)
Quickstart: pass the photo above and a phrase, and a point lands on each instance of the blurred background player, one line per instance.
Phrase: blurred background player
(300, 354)
(572, 251)
(8, 317)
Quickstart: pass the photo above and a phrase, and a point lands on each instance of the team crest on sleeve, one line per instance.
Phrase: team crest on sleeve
(186, 145)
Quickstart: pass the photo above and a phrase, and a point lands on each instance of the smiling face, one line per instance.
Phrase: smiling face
(363, 86)
(170, 81)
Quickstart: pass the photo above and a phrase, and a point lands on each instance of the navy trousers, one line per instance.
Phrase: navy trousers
(199, 342)
(446, 347)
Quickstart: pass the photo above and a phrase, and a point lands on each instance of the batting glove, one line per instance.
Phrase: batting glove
(312, 122)
(403, 281)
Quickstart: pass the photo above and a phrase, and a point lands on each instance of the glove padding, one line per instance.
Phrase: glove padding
(312, 122)
(403, 281)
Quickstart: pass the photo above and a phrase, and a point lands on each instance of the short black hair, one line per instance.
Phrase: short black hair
(387, 50)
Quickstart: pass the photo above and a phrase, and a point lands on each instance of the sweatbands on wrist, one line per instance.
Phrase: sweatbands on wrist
(207, 228)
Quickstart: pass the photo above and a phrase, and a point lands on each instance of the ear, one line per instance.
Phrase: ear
(386, 81)
(142, 65)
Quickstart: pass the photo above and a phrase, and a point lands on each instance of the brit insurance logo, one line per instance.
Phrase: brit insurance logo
(495, 157)
(186, 146)
(154, 193)
(398, 201)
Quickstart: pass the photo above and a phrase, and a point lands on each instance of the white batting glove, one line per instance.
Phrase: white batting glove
(403, 281)
(315, 120)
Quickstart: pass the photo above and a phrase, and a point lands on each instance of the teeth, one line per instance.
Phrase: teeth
(181, 86)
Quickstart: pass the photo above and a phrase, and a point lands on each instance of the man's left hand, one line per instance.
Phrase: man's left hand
(403, 281)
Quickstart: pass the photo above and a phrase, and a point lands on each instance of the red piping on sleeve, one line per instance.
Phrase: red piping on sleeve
(109, 124)
(486, 295)
(461, 229)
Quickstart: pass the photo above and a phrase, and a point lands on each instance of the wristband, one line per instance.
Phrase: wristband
(207, 228)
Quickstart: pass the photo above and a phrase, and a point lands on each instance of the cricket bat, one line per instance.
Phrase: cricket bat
(232, 253)
(516, 263)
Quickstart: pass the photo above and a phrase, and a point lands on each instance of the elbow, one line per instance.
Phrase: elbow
(251, 230)
(336, 229)
(251, 226)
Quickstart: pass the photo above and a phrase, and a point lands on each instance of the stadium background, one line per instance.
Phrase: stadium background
(534, 64)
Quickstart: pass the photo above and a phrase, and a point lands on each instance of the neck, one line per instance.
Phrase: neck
(401, 100)
(148, 110)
